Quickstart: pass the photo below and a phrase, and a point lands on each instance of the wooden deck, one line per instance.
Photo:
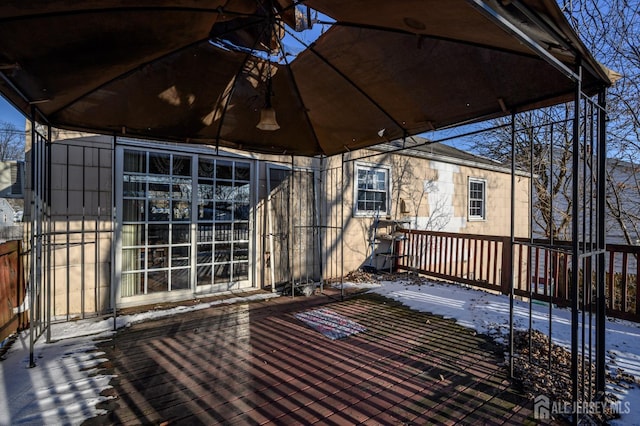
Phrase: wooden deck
(251, 364)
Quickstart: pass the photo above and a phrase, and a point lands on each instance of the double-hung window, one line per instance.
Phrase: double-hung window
(477, 199)
(372, 190)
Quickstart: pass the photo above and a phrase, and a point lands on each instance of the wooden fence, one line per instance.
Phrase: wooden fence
(537, 270)
(12, 290)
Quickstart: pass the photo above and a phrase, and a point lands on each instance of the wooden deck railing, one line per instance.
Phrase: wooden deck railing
(538, 270)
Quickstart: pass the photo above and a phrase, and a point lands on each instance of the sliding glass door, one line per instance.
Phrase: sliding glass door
(185, 223)
(223, 224)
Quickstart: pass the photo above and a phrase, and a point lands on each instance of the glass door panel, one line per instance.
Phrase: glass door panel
(162, 237)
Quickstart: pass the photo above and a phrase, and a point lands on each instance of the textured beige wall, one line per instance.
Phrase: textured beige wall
(81, 180)
(413, 181)
(81, 225)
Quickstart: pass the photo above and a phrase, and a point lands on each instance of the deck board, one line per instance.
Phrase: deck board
(255, 363)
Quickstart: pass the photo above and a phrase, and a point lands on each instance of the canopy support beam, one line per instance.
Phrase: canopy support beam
(508, 26)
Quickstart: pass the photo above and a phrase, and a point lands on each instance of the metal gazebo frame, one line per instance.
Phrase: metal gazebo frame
(587, 251)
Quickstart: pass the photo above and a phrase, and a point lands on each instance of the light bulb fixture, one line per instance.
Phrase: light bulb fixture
(267, 113)
(268, 119)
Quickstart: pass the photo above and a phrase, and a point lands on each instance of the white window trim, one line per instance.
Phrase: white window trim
(371, 167)
(476, 218)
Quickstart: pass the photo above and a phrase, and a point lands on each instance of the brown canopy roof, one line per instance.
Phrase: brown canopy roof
(192, 70)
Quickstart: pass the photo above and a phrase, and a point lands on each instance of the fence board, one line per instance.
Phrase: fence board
(11, 288)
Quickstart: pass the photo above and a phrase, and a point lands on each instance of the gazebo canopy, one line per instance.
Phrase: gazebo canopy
(200, 71)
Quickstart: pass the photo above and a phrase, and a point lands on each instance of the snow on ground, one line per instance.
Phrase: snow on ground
(65, 385)
(489, 314)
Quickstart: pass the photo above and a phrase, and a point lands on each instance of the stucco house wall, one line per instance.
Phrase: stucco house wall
(289, 236)
(80, 225)
(432, 193)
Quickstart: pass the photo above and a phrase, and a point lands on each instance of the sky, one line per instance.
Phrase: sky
(65, 385)
(9, 114)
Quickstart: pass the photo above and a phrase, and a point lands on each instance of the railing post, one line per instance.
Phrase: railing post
(506, 275)
(396, 250)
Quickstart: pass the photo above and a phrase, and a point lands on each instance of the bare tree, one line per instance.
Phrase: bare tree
(543, 143)
(612, 30)
(612, 27)
(11, 142)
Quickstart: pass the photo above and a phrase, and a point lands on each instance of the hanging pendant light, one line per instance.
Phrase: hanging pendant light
(268, 120)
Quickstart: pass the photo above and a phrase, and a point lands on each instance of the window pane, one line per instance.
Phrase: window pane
(135, 161)
(132, 235)
(181, 210)
(362, 179)
(241, 211)
(222, 253)
(159, 190)
(222, 273)
(157, 281)
(205, 210)
(180, 234)
(381, 180)
(158, 257)
(205, 252)
(205, 167)
(205, 190)
(181, 165)
(180, 279)
(132, 284)
(159, 210)
(223, 211)
(133, 211)
(159, 164)
(243, 171)
(179, 256)
(241, 251)
(181, 189)
(223, 232)
(241, 192)
(134, 186)
(240, 271)
(204, 275)
(205, 233)
(133, 259)
(224, 191)
(224, 170)
(158, 234)
(241, 232)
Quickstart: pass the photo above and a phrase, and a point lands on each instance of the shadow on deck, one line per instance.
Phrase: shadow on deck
(256, 363)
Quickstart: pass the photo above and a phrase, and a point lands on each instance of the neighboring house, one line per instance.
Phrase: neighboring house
(11, 179)
(6, 214)
(11, 199)
(139, 222)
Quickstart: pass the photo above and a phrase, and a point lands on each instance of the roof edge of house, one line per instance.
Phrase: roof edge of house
(481, 163)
